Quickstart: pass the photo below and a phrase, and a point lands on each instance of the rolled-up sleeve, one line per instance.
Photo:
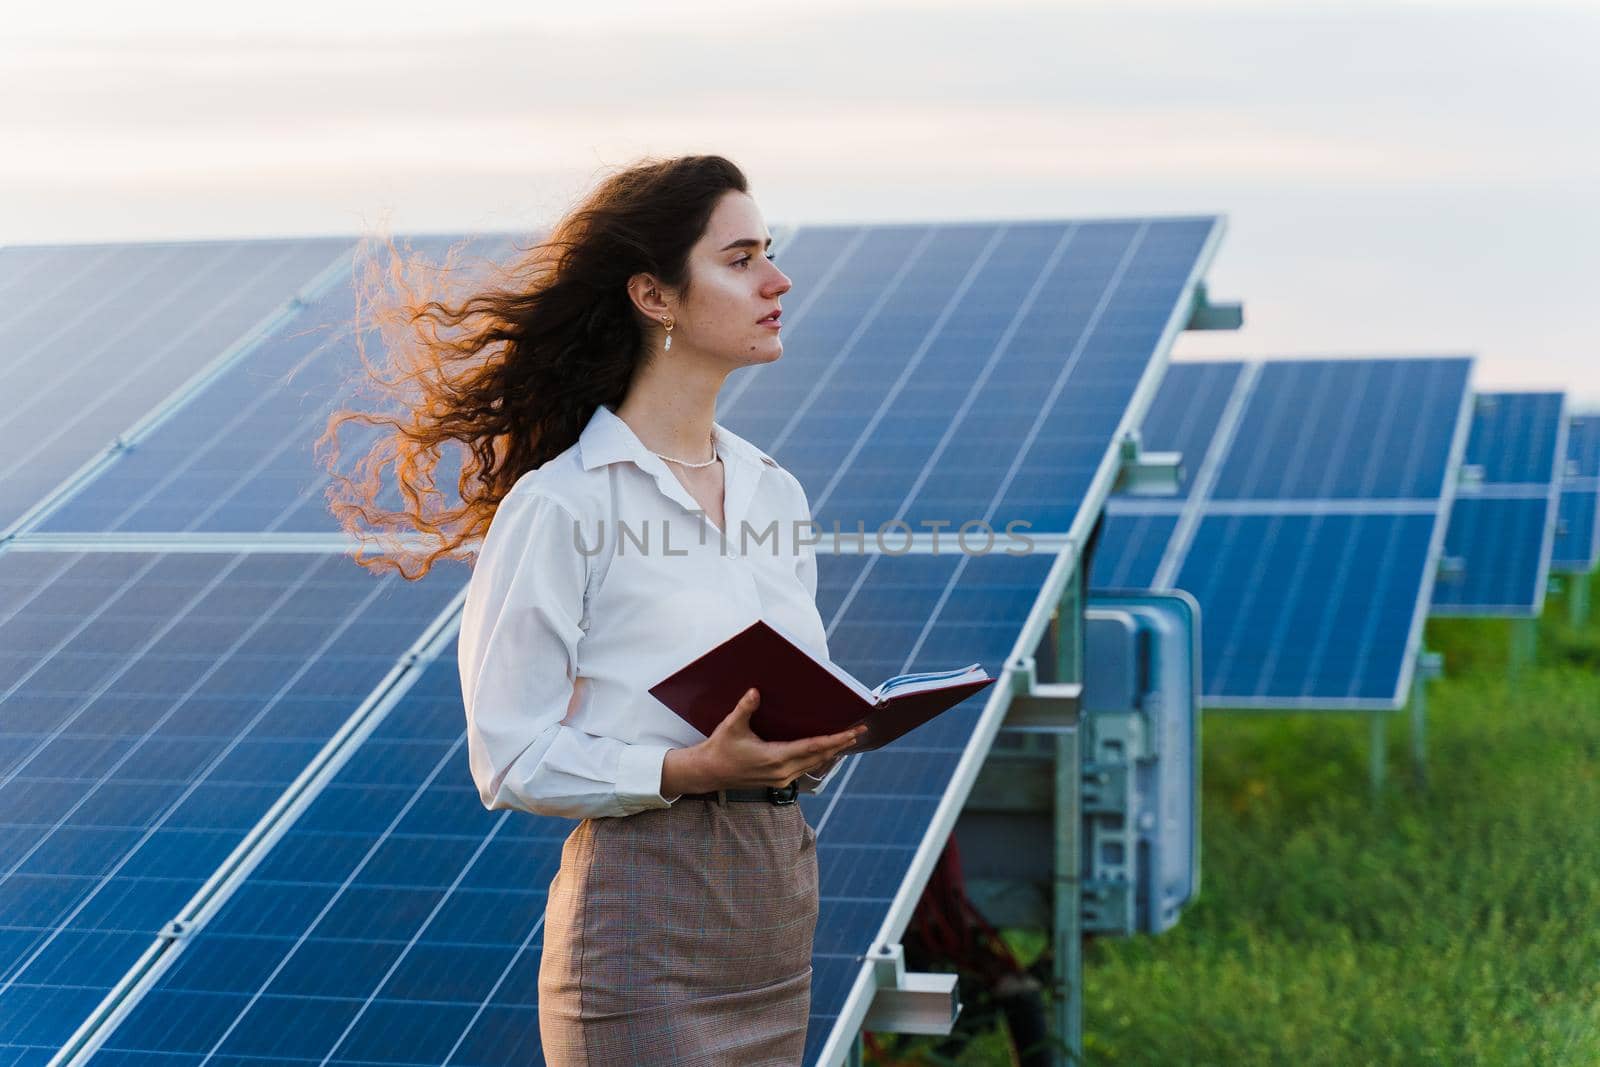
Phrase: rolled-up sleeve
(806, 571)
(518, 656)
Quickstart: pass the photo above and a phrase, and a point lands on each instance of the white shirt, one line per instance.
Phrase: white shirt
(560, 720)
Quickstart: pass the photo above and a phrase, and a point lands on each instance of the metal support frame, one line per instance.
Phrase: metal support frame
(908, 1002)
(1065, 667)
(1047, 703)
(1578, 600)
(1430, 665)
(1524, 646)
(1204, 315)
(1068, 904)
(1378, 757)
(1147, 473)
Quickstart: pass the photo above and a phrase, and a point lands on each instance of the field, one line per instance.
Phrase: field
(1452, 925)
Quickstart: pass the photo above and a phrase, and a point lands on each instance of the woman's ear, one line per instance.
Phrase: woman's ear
(649, 297)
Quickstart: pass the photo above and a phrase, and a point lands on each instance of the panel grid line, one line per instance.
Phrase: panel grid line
(1206, 478)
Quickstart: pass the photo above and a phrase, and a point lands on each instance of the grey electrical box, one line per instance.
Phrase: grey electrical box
(1141, 760)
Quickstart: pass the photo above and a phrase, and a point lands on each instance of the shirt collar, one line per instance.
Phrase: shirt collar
(607, 439)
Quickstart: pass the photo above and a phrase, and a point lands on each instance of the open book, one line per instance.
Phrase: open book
(802, 696)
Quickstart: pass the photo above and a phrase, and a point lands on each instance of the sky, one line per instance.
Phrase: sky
(1403, 178)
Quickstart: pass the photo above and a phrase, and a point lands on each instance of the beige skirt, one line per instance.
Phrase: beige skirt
(681, 936)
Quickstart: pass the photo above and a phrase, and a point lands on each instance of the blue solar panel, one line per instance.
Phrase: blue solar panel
(961, 344)
(1309, 525)
(927, 361)
(1577, 543)
(1307, 607)
(1517, 437)
(398, 922)
(966, 371)
(1346, 429)
(1502, 526)
(1183, 417)
(1131, 548)
(1495, 560)
(237, 457)
(152, 708)
(94, 336)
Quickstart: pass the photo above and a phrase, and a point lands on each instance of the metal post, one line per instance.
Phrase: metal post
(1524, 645)
(1068, 896)
(1069, 900)
(1578, 601)
(1379, 756)
(1429, 665)
(1419, 725)
(857, 1054)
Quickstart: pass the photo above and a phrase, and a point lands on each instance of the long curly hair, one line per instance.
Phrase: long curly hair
(506, 369)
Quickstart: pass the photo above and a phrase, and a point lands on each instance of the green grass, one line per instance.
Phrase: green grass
(1457, 924)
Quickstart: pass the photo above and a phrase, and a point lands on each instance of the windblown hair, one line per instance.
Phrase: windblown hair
(507, 369)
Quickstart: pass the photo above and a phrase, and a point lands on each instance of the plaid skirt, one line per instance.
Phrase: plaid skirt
(681, 936)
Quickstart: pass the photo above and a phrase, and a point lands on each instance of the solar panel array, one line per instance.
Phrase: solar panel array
(1308, 525)
(398, 922)
(1577, 541)
(927, 360)
(1502, 525)
(955, 372)
(94, 336)
(237, 456)
(155, 707)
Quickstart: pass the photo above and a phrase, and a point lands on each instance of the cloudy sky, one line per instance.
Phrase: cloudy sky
(1399, 178)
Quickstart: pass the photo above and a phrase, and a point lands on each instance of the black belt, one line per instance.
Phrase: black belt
(769, 795)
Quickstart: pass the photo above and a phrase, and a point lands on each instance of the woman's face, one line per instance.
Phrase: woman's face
(733, 287)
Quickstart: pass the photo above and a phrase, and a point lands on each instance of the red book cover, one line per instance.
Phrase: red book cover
(802, 696)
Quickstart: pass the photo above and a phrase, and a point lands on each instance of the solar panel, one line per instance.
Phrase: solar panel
(1131, 547)
(398, 922)
(1186, 412)
(1502, 525)
(237, 456)
(971, 344)
(945, 373)
(930, 358)
(152, 708)
(93, 336)
(1577, 542)
(1310, 523)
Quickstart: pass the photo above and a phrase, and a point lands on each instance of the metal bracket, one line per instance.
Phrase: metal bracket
(907, 1002)
(178, 929)
(1204, 315)
(1051, 708)
(1147, 473)
(1041, 707)
(1430, 665)
(1024, 672)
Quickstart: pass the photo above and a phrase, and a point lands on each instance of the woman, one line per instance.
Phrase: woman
(631, 533)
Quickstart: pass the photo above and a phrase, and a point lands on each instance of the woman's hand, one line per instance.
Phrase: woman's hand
(820, 770)
(733, 757)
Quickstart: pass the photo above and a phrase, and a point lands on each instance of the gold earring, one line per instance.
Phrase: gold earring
(668, 323)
